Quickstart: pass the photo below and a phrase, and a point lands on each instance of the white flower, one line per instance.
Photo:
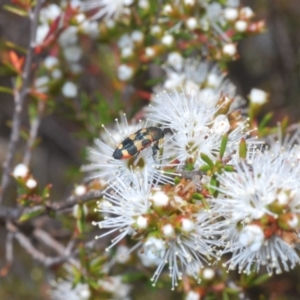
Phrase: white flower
(254, 194)
(41, 84)
(122, 254)
(137, 36)
(20, 171)
(41, 33)
(175, 60)
(31, 183)
(191, 295)
(69, 89)
(49, 13)
(56, 74)
(126, 52)
(80, 18)
(167, 9)
(231, 14)
(189, 247)
(168, 230)
(199, 76)
(115, 286)
(108, 9)
(50, 62)
(208, 273)
(106, 167)
(72, 53)
(167, 40)
(159, 198)
(241, 25)
(125, 72)
(155, 30)
(80, 190)
(125, 41)
(64, 289)
(229, 49)
(258, 96)
(189, 2)
(144, 4)
(90, 28)
(246, 13)
(191, 23)
(149, 51)
(192, 119)
(69, 36)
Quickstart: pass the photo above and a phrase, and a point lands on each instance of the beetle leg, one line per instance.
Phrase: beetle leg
(155, 148)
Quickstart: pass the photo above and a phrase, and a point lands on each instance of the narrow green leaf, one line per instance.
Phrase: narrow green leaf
(261, 279)
(266, 119)
(16, 10)
(30, 215)
(80, 226)
(197, 196)
(205, 168)
(228, 168)
(212, 185)
(223, 145)
(13, 46)
(6, 90)
(206, 159)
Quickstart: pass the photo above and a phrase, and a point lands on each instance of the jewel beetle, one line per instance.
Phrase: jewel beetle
(138, 141)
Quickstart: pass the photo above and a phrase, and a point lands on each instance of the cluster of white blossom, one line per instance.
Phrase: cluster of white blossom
(255, 215)
(53, 24)
(214, 23)
(261, 203)
(146, 197)
(112, 286)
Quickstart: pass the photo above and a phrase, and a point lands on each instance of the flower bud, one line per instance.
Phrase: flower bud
(229, 49)
(80, 190)
(31, 183)
(20, 171)
(168, 231)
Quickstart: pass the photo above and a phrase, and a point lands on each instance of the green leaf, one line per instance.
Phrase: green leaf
(176, 180)
(213, 184)
(80, 226)
(16, 10)
(13, 46)
(6, 90)
(260, 279)
(223, 145)
(228, 168)
(32, 214)
(266, 119)
(205, 168)
(197, 196)
(206, 159)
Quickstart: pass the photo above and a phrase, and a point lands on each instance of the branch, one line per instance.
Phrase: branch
(48, 240)
(73, 200)
(33, 133)
(19, 98)
(37, 255)
(10, 213)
